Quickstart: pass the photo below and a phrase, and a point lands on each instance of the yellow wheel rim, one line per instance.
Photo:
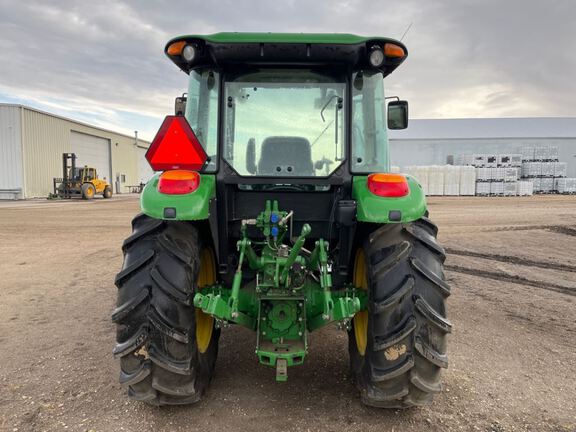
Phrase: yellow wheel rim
(361, 318)
(204, 322)
(90, 192)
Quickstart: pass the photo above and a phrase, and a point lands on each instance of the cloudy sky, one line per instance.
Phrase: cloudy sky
(102, 62)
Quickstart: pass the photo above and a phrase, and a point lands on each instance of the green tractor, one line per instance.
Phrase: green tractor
(275, 210)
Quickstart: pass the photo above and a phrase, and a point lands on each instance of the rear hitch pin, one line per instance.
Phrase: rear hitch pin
(281, 370)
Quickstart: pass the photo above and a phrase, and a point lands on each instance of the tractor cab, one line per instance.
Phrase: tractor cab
(84, 174)
(284, 106)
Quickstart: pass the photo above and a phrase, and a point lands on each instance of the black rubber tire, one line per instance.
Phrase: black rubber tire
(86, 187)
(155, 316)
(107, 192)
(407, 325)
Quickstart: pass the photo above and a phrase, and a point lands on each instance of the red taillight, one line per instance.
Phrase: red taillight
(178, 182)
(176, 147)
(388, 185)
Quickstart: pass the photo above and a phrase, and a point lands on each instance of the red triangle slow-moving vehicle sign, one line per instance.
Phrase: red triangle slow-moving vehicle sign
(175, 146)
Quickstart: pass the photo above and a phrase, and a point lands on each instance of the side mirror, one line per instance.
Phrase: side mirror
(251, 156)
(180, 105)
(398, 114)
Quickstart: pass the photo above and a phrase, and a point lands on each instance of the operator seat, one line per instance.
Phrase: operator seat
(286, 156)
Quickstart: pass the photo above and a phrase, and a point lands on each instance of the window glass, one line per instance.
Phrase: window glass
(285, 123)
(369, 130)
(202, 112)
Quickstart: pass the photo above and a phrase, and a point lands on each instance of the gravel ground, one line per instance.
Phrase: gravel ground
(511, 263)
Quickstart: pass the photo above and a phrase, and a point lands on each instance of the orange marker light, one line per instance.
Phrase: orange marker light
(388, 185)
(176, 48)
(178, 182)
(392, 50)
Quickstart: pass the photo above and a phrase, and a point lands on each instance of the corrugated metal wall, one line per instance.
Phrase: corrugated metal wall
(11, 172)
(404, 152)
(46, 137)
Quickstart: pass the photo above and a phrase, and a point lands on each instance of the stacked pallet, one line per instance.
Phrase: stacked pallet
(541, 166)
(496, 174)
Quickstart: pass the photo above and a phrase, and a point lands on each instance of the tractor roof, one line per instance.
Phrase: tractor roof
(222, 49)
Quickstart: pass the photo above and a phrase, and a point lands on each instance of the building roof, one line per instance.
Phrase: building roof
(482, 128)
(71, 120)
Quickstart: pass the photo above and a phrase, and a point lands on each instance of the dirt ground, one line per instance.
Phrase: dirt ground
(511, 263)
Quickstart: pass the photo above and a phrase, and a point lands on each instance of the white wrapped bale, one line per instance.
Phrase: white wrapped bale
(496, 188)
(510, 188)
(395, 169)
(525, 188)
(435, 180)
(560, 169)
(468, 180)
(420, 173)
(482, 188)
(451, 180)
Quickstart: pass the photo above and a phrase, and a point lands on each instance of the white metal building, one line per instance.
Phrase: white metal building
(32, 143)
(430, 142)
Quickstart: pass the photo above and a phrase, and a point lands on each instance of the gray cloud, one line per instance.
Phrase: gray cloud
(467, 58)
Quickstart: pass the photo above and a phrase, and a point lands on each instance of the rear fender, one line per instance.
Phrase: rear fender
(377, 209)
(191, 207)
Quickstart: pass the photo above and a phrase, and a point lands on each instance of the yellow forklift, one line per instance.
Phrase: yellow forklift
(79, 181)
